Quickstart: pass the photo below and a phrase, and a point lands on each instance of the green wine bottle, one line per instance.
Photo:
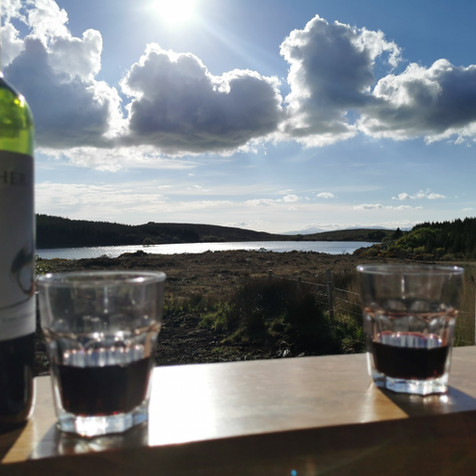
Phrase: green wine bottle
(17, 253)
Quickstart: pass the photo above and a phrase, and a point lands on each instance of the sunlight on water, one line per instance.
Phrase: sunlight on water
(330, 247)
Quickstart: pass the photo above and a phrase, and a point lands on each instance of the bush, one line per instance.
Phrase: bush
(258, 308)
(310, 326)
(278, 310)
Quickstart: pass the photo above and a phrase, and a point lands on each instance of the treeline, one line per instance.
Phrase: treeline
(354, 234)
(426, 241)
(56, 232)
(447, 240)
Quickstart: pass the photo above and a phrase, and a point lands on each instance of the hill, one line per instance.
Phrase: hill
(354, 234)
(57, 232)
(429, 241)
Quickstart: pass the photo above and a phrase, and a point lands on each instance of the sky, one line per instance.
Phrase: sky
(272, 115)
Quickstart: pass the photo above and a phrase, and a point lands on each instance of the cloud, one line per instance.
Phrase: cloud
(343, 80)
(368, 206)
(335, 91)
(46, 19)
(290, 198)
(261, 202)
(271, 202)
(11, 9)
(172, 102)
(179, 106)
(119, 158)
(77, 57)
(437, 103)
(375, 206)
(56, 73)
(67, 112)
(331, 72)
(125, 202)
(421, 195)
(12, 44)
(77, 200)
(325, 195)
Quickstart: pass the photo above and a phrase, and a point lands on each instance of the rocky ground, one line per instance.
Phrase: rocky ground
(210, 275)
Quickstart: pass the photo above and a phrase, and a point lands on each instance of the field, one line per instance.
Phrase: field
(205, 291)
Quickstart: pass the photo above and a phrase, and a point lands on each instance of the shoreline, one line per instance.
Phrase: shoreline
(115, 251)
(216, 271)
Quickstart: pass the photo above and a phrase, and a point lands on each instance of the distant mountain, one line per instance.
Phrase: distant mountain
(312, 230)
(305, 231)
(57, 232)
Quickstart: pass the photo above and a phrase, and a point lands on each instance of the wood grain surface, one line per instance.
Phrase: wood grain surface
(302, 414)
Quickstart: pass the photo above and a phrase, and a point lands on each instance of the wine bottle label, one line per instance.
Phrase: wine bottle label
(17, 246)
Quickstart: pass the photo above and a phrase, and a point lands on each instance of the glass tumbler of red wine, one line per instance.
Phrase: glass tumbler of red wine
(409, 314)
(101, 331)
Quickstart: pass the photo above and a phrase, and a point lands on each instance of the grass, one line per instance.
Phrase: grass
(276, 311)
(270, 315)
(273, 311)
(465, 325)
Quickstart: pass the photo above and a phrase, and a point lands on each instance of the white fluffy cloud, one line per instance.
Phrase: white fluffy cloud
(46, 19)
(12, 9)
(56, 73)
(335, 93)
(178, 106)
(368, 206)
(12, 44)
(325, 195)
(171, 103)
(114, 159)
(77, 200)
(436, 103)
(331, 73)
(378, 206)
(421, 195)
(68, 112)
(77, 57)
(290, 198)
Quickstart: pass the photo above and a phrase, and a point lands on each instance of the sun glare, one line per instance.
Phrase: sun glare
(175, 11)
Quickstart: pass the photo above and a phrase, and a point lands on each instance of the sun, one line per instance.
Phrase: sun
(175, 11)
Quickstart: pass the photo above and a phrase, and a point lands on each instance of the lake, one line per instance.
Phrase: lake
(330, 247)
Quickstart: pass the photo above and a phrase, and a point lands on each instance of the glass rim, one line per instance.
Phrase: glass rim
(410, 269)
(100, 278)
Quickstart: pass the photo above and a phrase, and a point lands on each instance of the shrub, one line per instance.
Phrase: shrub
(279, 310)
(276, 311)
(257, 307)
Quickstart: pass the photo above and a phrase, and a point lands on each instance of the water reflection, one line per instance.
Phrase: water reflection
(329, 247)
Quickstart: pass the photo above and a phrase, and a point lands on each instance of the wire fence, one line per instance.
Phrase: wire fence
(333, 298)
(339, 301)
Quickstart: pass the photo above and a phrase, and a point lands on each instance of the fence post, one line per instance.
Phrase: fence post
(270, 274)
(299, 284)
(330, 296)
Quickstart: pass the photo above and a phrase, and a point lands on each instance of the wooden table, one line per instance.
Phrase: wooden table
(289, 416)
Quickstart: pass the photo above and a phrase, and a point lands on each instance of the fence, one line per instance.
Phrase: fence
(338, 300)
